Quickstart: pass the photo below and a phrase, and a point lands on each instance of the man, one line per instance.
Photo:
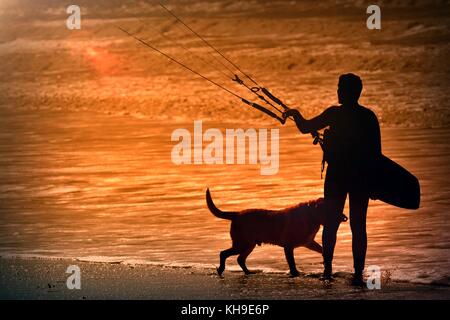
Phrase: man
(352, 146)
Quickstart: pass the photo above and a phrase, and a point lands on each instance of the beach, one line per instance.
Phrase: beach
(86, 124)
(46, 279)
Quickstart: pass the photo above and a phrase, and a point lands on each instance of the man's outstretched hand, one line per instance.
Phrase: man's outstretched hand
(290, 113)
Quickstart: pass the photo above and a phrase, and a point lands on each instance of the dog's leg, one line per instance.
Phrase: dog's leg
(243, 256)
(314, 246)
(289, 252)
(223, 257)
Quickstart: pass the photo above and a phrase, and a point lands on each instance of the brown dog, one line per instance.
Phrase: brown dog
(289, 228)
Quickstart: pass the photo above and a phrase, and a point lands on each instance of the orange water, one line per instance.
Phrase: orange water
(104, 188)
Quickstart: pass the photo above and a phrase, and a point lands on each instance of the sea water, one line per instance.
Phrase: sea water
(103, 188)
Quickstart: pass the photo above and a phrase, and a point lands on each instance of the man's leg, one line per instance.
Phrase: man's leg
(335, 196)
(359, 202)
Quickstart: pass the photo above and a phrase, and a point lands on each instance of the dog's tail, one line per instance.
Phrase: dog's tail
(216, 211)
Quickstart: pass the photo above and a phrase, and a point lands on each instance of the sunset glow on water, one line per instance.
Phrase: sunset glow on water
(104, 189)
(86, 119)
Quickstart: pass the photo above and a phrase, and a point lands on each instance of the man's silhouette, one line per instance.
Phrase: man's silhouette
(351, 147)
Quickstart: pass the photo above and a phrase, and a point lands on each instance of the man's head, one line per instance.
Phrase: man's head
(349, 88)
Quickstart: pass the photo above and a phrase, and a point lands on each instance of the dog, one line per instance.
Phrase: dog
(288, 228)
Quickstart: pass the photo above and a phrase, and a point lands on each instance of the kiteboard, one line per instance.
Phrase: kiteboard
(393, 184)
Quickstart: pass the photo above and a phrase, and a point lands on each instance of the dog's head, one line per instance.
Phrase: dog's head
(322, 209)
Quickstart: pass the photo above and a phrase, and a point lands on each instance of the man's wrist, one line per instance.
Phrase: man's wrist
(292, 112)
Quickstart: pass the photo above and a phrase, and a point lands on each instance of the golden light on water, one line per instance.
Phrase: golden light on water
(89, 114)
(100, 60)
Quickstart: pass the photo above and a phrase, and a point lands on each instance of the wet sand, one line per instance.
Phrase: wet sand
(86, 118)
(46, 279)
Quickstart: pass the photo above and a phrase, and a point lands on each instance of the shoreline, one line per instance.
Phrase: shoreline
(54, 206)
(40, 278)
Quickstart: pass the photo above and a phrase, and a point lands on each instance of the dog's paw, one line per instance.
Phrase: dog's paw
(220, 270)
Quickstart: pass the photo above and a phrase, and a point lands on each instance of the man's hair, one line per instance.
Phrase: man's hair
(351, 84)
